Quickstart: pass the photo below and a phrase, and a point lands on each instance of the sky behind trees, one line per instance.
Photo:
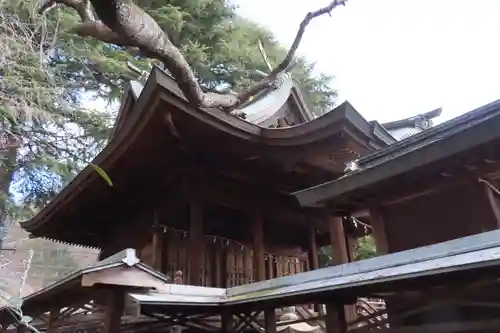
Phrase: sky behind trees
(396, 58)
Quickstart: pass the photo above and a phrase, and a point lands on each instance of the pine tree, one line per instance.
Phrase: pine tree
(220, 46)
(45, 135)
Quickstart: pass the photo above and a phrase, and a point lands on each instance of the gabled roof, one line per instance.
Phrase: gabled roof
(267, 105)
(272, 102)
(411, 121)
(132, 91)
(458, 135)
(76, 283)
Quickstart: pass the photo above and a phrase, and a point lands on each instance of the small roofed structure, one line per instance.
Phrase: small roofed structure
(404, 128)
(438, 185)
(434, 186)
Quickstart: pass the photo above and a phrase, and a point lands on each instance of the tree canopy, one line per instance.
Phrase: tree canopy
(219, 46)
(47, 72)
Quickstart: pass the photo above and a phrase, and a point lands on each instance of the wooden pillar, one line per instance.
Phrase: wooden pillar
(340, 254)
(247, 265)
(312, 253)
(338, 240)
(269, 267)
(227, 321)
(166, 264)
(258, 249)
(21, 328)
(157, 249)
(217, 276)
(351, 245)
(196, 244)
(312, 257)
(335, 320)
(53, 314)
(270, 320)
(379, 230)
(114, 309)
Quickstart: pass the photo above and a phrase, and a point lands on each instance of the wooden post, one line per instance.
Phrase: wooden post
(227, 321)
(351, 245)
(217, 266)
(166, 265)
(195, 250)
(338, 240)
(340, 254)
(224, 268)
(312, 257)
(53, 314)
(114, 308)
(379, 230)
(157, 245)
(258, 249)
(247, 265)
(270, 320)
(312, 253)
(269, 267)
(335, 320)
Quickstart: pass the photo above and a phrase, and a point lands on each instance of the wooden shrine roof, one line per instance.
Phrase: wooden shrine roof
(158, 133)
(463, 259)
(410, 121)
(470, 142)
(122, 269)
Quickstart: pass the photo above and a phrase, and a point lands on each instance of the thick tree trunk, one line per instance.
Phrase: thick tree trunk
(123, 23)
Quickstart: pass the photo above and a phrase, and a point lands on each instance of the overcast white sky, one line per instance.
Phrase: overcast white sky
(396, 58)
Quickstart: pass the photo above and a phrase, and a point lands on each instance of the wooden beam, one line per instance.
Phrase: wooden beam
(493, 200)
(114, 309)
(335, 319)
(337, 240)
(466, 176)
(259, 248)
(379, 230)
(270, 320)
(196, 241)
(312, 252)
(280, 207)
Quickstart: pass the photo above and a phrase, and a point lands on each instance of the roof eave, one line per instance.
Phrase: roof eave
(477, 134)
(410, 121)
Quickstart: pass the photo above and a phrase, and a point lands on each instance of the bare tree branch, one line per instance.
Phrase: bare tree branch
(124, 23)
